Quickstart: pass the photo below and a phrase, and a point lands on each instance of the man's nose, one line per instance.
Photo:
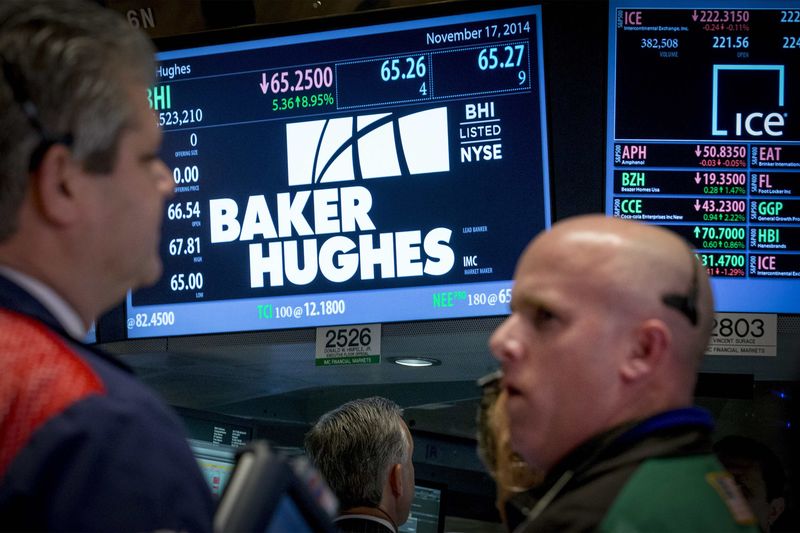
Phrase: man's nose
(166, 183)
(504, 345)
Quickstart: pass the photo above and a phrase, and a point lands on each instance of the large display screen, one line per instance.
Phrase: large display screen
(704, 138)
(371, 173)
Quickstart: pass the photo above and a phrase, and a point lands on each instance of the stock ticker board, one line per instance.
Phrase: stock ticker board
(704, 138)
(341, 176)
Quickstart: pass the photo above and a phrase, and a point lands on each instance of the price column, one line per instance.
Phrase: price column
(696, 190)
(774, 211)
(182, 246)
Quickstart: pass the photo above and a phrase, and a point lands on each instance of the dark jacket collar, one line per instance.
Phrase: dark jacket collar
(689, 429)
(15, 298)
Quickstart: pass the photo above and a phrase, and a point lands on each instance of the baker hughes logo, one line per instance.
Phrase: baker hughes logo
(286, 248)
(367, 146)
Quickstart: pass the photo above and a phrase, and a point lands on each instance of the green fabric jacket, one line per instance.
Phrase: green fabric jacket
(656, 475)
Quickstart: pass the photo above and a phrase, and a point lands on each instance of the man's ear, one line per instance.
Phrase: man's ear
(651, 342)
(776, 508)
(396, 480)
(55, 186)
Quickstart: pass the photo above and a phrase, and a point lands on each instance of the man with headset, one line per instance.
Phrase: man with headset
(83, 446)
(610, 319)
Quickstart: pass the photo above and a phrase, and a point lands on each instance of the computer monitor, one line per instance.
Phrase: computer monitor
(427, 508)
(268, 492)
(216, 461)
(386, 166)
(704, 138)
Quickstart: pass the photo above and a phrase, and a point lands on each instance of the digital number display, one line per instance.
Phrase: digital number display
(370, 173)
(704, 138)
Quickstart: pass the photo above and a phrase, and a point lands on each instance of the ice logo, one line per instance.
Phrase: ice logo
(367, 147)
(757, 122)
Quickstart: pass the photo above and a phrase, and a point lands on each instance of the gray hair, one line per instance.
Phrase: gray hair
(355, 445)
(73, 61)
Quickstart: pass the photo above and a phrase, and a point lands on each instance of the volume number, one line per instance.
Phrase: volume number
(179, 118)
(659, 44)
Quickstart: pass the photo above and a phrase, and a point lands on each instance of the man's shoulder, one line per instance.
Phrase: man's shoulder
(88, 428)
(680, 493)
(44, 359)
(42, 377)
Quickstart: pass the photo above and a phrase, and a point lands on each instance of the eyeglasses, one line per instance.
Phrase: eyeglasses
(16, 83)
(491, 380)
(685, 304)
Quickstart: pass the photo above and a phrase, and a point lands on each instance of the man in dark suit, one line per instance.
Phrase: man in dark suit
(364, 449)
(83, 445)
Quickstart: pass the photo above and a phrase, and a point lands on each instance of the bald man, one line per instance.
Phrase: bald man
(610, 319)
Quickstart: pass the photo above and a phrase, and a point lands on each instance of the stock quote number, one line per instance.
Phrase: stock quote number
(146, 320)
(348, 337)
(189, 174)
(304, 80)
(190, 246)
(740, 327)
(413, 68)
(492, 58)
(183, 210)
(186, 282)
(791, 42)
(510, 57)
(724, 260)
(726, 41)
(788, 17)
(724, 16)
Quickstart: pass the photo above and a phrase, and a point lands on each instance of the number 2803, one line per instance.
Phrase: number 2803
(740, 327)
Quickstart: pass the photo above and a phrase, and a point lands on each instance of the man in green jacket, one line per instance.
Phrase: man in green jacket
(610, 319)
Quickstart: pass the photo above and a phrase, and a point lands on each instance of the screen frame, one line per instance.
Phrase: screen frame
(731, 294)
(113, 326)
(442, 488)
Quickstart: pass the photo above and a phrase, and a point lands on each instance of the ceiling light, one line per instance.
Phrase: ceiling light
(415, 361)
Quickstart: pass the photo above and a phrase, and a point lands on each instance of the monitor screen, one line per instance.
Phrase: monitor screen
(268, 492)
(216, 461)
(379, 167)
(704, 137)
(288, 517)
(427, 509)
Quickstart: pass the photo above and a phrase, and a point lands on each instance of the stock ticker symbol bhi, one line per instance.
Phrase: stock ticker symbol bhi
(367, 146)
